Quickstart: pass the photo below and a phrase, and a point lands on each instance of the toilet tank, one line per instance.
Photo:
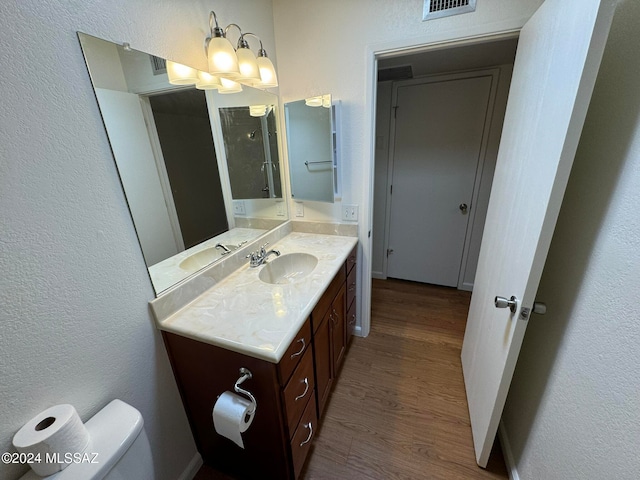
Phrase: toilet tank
(118, 448)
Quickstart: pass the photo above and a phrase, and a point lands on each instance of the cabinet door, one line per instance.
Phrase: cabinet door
(338, 330)
(322, 352)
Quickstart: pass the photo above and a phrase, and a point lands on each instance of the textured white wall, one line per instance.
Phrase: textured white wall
(574, 407)
(322, 48)
(76, 327)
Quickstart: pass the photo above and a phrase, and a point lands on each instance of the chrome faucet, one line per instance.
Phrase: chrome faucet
(227, 249)
(259, 257)
(223, 247)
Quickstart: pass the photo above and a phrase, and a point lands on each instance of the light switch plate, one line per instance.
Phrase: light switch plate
(299, 209)
(280, 209)
(350, 213)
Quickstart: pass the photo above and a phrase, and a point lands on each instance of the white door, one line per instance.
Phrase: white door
(558, 57)
(129, 139)
(439, 131)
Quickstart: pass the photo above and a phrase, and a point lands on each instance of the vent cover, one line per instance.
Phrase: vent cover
(444, 8)
(395, 73)
(158, 65)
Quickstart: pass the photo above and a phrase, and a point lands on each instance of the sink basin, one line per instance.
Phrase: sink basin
(200, 259)
(288, 268)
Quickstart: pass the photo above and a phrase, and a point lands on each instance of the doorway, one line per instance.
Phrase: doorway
(438, 127)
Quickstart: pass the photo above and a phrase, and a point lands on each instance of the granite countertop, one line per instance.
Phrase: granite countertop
(246, 315)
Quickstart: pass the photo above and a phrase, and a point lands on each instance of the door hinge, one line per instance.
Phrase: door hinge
(389, 251)
(391, 190)
(395, 111)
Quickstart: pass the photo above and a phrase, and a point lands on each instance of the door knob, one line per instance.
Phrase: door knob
(511, 304)
(463, 207)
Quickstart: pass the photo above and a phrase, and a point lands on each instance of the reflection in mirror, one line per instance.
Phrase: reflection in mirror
(251, 146)
(171, 168)
(312, 148)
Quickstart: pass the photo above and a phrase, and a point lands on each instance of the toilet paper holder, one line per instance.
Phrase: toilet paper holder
(245, 374)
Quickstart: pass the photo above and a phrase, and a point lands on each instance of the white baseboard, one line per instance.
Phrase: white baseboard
(192, 468)
(357, 331)
(378, 275)
(507, 453)
(467, 286)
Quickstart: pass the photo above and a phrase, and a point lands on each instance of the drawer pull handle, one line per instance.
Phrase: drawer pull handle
(306, 389)
(293, 355)
(353, 320)
(352, 287)
(310, 427)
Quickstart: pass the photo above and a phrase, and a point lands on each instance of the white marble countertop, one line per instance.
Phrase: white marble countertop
(246, 315)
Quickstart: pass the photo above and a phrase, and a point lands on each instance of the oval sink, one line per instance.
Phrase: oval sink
(200, 259)
(288, 268)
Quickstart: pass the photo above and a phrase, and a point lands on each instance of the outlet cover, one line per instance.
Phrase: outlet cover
(238, 207)
(299, 209)
(280, 209)
(350, 213)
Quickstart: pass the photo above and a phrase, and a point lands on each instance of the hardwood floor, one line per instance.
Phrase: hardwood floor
(398, 409)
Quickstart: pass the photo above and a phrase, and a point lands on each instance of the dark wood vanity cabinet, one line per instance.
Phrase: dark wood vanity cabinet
(290, 395)
(333, 328)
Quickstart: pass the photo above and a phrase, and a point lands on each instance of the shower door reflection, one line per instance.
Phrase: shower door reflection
(251, 148)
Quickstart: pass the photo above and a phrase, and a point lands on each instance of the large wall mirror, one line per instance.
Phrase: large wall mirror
(200, 170)
(312, 146)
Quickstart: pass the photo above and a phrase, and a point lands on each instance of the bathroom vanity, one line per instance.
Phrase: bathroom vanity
(292, 337)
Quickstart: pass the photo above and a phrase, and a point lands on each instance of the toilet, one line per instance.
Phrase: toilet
(123, 452)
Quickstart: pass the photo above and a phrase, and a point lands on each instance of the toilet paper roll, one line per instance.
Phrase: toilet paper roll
(231, 416)
(51, 435)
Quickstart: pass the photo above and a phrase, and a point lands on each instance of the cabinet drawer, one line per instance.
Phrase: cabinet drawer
(303, 436)
(326, 299)
(299, 390)
(294, 353)
(352, 259)
(351, 286)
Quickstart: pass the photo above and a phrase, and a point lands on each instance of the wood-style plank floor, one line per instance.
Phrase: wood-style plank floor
(398, 409)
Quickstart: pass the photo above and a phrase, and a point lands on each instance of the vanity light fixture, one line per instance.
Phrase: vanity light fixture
(206, 81)
(181, 74)
(229, 86)
(319, 101)
(221, 56)
(240, 65)
(257, 110)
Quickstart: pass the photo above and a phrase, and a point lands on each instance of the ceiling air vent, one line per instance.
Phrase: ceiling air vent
(158, 65)
(395, 73)
(443, 8)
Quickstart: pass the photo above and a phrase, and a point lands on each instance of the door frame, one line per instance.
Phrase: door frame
(430, 42)
(494, 73)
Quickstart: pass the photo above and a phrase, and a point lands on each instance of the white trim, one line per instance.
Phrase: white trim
(457, 37)
(221, 157)
(192, 468)
(161, 167)
(378, 275)
(507, 453)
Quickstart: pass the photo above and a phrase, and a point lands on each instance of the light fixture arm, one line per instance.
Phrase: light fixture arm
(262, 52)
(216, 31)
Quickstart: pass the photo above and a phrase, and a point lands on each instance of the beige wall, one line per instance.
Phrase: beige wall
(76, 326)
